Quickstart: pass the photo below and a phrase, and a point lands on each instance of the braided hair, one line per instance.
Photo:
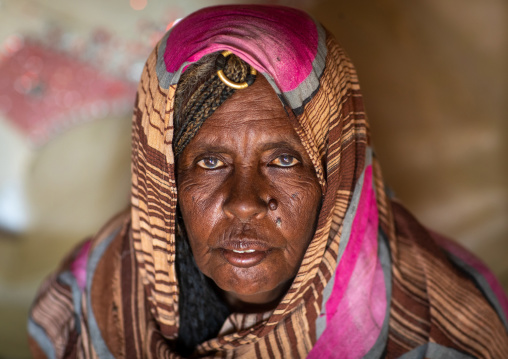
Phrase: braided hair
(199, 93)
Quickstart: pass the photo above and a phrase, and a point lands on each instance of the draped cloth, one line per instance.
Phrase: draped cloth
(373, 282)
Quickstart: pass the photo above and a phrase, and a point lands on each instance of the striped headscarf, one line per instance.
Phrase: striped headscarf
(373, 282)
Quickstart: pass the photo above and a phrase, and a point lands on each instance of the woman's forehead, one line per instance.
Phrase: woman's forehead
(252, 119)
(257, 101)
(247, 119)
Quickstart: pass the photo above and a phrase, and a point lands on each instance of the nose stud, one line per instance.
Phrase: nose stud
(272, 204)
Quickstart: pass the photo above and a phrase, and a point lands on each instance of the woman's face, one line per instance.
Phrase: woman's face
(249, 197)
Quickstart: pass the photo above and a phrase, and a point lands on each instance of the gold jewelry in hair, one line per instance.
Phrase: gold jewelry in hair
(221, 62)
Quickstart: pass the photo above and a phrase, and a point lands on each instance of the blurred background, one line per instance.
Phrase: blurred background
(434, 76)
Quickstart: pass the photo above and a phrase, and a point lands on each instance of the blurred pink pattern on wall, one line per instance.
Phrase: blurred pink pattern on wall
(43, 91)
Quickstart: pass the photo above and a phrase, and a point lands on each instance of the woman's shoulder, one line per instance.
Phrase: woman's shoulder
(447, 284)
(84, 257)
(55, 318)
(425, 245)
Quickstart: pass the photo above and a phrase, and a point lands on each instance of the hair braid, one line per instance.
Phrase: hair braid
(204, 98)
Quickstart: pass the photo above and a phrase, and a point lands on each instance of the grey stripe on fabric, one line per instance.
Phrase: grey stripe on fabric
(351, 211)
(166, 78)
(40, 336)
(298, 97)
(344, 239)
(483, 285)
(163, 75)
(321, 320)
(95, 334)
(435, 351)
(68, 278)
(379, 346)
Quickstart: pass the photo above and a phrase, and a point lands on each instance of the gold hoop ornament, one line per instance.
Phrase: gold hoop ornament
(221, 63)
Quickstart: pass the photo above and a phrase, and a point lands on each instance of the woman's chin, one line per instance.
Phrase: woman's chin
(251, 293)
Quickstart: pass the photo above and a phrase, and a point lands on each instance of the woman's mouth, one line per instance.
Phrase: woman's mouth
(244, 251)
(244, 258)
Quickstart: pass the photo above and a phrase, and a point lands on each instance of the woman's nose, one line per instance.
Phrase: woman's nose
(244, 199)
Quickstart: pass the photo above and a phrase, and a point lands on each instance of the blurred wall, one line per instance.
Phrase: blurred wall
(434, 76)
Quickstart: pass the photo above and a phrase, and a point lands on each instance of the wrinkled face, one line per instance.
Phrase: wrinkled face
(249, 197)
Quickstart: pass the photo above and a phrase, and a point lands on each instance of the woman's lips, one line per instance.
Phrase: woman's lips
(244, 258)
(244, 253)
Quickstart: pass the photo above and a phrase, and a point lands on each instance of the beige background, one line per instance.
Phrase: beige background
(435, 80)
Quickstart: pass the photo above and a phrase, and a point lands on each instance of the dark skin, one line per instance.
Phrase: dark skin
(249, 198)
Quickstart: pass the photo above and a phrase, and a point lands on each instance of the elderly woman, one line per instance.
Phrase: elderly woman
(259, 224)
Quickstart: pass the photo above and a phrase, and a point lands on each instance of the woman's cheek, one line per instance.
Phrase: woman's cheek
(196, 194)
(300, 190)
(200, 205)
(300, 197)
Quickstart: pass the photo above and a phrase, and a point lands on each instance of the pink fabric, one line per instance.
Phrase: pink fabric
(286, 53)
(356, 308)
(471, 260)
(78, 266)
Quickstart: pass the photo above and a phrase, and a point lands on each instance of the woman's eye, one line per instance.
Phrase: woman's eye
(285, 161)
(210, 163)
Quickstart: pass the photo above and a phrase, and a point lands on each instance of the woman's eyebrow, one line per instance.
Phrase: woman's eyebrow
(211, 147)
(290, 145)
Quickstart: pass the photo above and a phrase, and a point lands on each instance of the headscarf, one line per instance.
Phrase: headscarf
(373, 281)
